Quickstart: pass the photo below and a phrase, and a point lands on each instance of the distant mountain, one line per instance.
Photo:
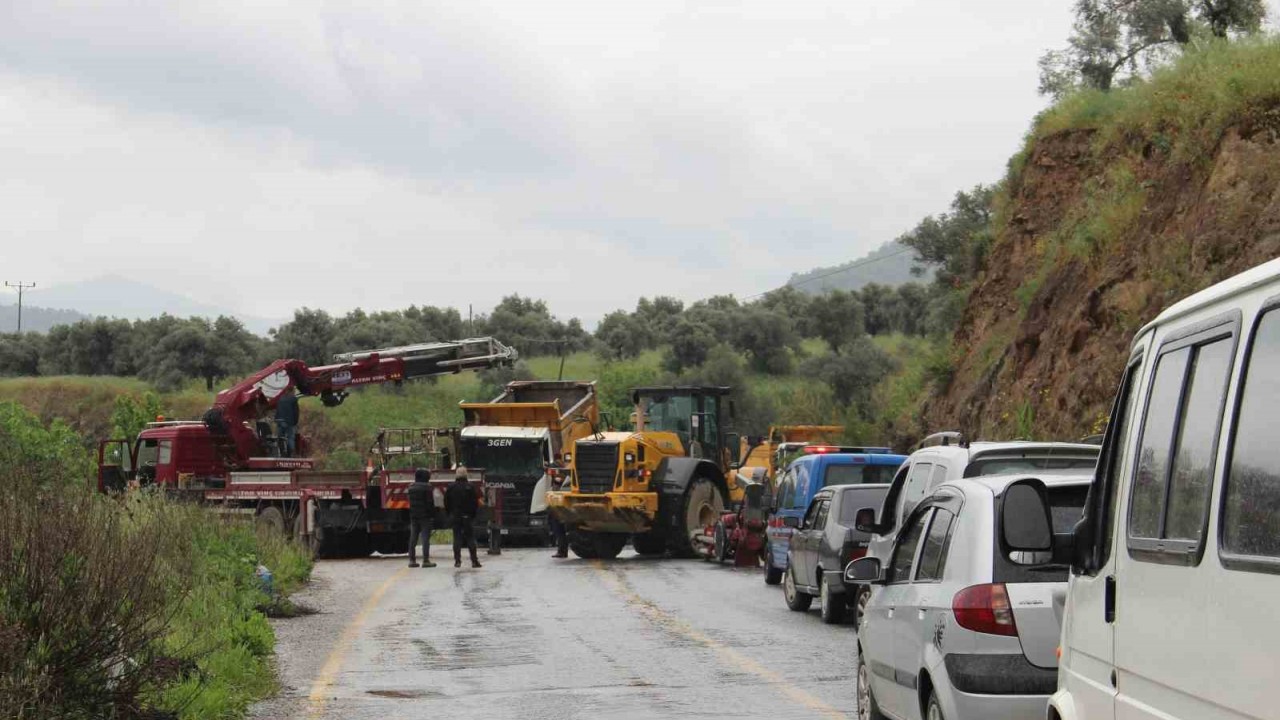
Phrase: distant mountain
(116, 296)
(890, 264)
(35, 319)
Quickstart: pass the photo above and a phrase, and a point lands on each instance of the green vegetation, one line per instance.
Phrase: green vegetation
(1185, 108)
(168, 612)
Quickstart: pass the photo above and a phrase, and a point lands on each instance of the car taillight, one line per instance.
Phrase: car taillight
(985, 609)
(853, 552)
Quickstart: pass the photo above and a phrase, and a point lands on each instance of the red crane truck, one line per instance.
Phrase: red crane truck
(232, 456)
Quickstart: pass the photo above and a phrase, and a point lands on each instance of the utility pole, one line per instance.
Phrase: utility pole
(21, 287)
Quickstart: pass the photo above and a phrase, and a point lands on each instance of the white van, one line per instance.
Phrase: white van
(1173, 608)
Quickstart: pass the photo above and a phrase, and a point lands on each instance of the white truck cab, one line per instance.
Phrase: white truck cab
(1171, 611)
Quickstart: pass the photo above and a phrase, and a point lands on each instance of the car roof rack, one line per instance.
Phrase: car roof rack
(944, 439)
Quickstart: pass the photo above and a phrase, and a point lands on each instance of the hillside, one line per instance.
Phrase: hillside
(1119, 205)
(890, 264)
(35, 319)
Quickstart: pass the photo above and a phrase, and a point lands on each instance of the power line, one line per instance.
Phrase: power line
(837, 271)
(21, 287)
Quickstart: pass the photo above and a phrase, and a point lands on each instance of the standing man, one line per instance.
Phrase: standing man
(287, 421)
(422, 506)
(558, 530)
(460, 503)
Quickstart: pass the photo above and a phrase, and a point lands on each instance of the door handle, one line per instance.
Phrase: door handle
(890, 612)
(1109, 601)
(920, 613)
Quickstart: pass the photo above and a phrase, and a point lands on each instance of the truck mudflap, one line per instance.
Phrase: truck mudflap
(612, 512)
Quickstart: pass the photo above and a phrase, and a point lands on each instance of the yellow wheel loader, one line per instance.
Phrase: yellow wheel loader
(660, 485)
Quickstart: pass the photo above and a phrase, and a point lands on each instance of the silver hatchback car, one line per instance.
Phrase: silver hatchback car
(954, 630)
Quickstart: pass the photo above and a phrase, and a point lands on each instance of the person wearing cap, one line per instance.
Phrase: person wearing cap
(460, 503)
(422, 505)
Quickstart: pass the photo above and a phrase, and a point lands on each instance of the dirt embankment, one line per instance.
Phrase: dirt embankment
(1091, 243)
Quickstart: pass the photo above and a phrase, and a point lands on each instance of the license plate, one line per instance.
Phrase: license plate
(535, 522)
(506, 531)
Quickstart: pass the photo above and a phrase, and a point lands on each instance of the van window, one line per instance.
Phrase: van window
(820, 522)
(1251, 510)
(1117, 455)
(933, 557)
(857, 474)
(811, 516)
(916, 488)
(904, 553)
(1029, 465)
(1175, 462)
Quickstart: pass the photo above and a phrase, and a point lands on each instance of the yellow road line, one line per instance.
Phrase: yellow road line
(324, 681)
(728, 654)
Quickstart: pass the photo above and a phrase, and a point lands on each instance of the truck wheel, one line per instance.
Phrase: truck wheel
(327, 542)
(608, 545)
(270, 519)
(722, 543)
(583, 544)
(650, 543)
(772, 574)
(702, 505)
(796, 601)
(832, 605)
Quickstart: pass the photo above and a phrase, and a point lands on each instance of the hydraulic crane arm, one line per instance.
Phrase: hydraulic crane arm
(236, 410)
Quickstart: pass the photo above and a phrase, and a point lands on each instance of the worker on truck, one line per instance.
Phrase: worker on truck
(287, 415)
(422, 506)
(460, 503)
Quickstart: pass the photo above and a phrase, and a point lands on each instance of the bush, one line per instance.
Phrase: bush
(85, 599)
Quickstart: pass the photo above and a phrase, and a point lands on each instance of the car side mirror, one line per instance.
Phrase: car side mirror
(791, 522)
(1026, 523)
(865, 521)
(864, 571)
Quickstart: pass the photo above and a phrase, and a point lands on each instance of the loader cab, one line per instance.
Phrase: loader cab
(693, 413)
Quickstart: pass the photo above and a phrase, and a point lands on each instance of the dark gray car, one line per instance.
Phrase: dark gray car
(825, 541)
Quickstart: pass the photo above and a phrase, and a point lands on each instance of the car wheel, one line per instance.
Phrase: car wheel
(772, 574)
(934, 709)
(867, 707)
(797, 601)
(832, 605)
(860, 607)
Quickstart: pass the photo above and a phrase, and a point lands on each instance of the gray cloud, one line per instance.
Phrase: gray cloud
(270, 155)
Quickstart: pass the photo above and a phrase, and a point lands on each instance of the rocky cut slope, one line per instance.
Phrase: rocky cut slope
(1120, 205)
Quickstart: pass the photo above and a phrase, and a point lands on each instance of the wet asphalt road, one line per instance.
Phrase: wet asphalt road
(531, 637)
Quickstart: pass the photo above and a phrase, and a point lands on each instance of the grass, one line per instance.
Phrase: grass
(1183, 109)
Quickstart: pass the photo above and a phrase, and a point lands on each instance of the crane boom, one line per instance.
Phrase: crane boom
(236, 411)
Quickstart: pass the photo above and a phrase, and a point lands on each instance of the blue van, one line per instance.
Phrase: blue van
(820, 466)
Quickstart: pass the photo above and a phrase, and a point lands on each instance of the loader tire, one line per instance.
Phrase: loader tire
(650, 543)
(608, 545)
(583, 544)
(270, 519)
(702, 505)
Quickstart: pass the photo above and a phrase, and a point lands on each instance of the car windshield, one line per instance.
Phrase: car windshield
(1024, 465)
(504, 456)
(1066, 504)
(857, 474)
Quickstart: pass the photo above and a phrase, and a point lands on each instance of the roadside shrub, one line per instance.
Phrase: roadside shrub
(85, 599)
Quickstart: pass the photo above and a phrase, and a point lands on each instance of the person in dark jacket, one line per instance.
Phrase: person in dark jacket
(422, 507)
(559, 532)
(287, 415)
(460, 503)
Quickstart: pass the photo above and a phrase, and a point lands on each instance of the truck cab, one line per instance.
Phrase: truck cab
(174, 454)
(515, 462)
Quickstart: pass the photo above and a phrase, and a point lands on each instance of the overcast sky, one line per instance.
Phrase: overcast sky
(268, 155)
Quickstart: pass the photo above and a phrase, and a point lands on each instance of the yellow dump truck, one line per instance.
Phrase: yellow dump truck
(521, 435)
(661, 484)
(764, 458)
